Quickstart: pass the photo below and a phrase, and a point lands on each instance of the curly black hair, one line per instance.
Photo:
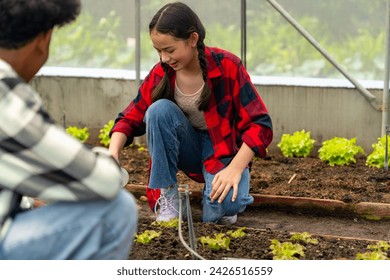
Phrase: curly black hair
(22, 20)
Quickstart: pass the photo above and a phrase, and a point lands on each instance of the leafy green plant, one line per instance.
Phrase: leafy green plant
(339, 151)
(286, 250)
(140, 147)
(147, 236)
(220, 241)
(299, 144)
(104, 133)
(173, 223)
(377, 157)
(305, 237)
(375, 255)
(237, 233)
(379, 246)
(377, 252)
(79, 133)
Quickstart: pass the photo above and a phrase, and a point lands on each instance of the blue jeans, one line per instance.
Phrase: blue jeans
(174, 144)
(73, 230)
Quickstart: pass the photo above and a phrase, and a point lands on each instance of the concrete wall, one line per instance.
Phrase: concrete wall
(326, 108)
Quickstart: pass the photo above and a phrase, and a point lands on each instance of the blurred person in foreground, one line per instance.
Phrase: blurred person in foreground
(87, 215)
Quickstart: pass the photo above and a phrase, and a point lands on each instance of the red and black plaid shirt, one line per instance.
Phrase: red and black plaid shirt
(236, 112)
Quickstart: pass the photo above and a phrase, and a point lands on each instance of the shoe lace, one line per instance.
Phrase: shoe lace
(165, 203)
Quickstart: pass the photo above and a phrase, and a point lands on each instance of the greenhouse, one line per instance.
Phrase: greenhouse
(290, 124)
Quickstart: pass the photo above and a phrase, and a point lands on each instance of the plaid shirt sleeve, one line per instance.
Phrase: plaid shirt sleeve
(236, 112)
(131, 120)
(254, 122)
(39, 159)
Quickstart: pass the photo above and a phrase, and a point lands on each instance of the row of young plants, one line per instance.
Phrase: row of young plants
(289, 250)
(335, 151)
(83, 134)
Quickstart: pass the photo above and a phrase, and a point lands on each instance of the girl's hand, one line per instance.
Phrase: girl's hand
(230, 176)
(223, 181)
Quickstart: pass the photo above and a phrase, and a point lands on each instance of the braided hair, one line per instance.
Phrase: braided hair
(180, 21)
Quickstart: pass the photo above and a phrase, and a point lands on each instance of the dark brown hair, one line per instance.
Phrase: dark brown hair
(180, 21)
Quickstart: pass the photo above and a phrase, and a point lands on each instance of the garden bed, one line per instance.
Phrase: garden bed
(279, 182)
(254, 245)
(292, 177)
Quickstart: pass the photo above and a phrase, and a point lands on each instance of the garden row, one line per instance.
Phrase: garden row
(217, 243)
(82, 134)
(335, 151)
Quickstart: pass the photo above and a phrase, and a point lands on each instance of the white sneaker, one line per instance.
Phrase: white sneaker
(227, 220)
(168, 203)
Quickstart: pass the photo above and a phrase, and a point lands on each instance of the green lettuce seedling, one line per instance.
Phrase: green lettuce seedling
(237, 233)
(286, 250)
(220, 241)
(375, 255)
(146, 236)
(305, 237)
(140, 147)
(173, 223)
(377, 157)
(339, 151)
(377, 251)
(379, 246)
(299, 144)
(104, 133)
(79, 133)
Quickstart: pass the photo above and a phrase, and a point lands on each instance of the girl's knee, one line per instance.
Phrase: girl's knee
(159, 108)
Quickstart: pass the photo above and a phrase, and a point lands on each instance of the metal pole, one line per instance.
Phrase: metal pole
(191, 231)
(137, 42)
(368, 95)
(137, 25)
(385, 106)
(192, 247)
(386, 163)
(243, 32)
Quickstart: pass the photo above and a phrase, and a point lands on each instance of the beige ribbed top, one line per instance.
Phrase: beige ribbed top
(187, 103)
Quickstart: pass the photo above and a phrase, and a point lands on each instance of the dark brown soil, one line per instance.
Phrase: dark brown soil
(299, 177)
(339, 238)
(254, 245)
